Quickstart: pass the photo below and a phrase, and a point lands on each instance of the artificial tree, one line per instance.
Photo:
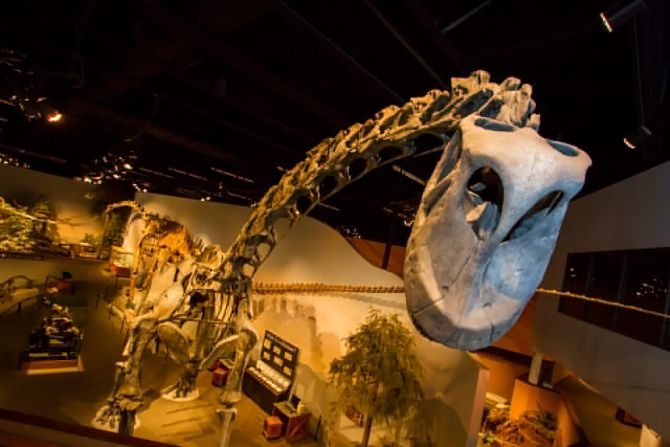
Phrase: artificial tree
(16, 229)
(379, 374)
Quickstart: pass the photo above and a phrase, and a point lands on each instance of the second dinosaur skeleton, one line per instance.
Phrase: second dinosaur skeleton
(211, 284)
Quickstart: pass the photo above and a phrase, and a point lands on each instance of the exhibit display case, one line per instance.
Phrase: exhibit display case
(269, 380)
(57, 335)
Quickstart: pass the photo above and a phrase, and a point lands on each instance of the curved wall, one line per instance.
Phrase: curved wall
(628, 215)
(314, 252)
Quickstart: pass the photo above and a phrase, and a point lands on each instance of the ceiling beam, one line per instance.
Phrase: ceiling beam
(454, 56)
(79, 105)
(399, 37)
(216, 49)
(124, 80)
(294, 17)
(168, 67)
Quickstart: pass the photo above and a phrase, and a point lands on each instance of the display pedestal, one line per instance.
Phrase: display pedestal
(52, 366)
(172, 395)
(113, 428)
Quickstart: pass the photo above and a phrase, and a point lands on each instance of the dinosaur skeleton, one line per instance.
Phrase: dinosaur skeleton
(209, 284)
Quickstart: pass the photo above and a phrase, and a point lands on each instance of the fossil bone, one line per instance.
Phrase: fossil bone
(485, 230)
(453, 207)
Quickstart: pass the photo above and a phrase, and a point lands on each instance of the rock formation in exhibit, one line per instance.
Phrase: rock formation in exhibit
(492, 208)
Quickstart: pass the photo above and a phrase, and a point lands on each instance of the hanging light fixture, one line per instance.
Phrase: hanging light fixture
(620, 13)
(637, 138)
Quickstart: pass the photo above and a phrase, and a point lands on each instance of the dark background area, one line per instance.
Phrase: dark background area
(247, 87)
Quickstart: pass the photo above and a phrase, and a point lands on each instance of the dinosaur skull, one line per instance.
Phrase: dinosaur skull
(485, 230)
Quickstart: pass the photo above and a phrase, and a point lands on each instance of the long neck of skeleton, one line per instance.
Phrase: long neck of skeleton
(354, 152)
(329, 167)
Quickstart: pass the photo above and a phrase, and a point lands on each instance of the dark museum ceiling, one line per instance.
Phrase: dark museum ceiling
(201, 90)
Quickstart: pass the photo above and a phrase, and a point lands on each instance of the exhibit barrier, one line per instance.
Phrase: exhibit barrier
(21, 429)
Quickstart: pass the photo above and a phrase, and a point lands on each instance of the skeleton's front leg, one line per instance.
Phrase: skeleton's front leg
(126, 396)
(232, 392)
(185, 387)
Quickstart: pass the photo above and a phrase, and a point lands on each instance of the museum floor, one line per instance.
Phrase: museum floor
(596, 416)
(75, 397)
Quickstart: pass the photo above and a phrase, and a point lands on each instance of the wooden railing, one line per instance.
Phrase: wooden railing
(10, 419)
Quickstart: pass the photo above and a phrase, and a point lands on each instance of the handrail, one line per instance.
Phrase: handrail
(78, 430)
(8, 282)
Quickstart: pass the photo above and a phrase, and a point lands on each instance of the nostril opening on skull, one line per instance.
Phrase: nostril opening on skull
(489, 124)
(486, 193)
(542, 208)
(563, 148)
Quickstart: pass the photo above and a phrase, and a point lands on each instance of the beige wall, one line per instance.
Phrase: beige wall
(631, 214)
(67, 197)
(313, 252)
(503, 375)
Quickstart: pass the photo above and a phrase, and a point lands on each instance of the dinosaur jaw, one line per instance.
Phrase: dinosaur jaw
(486, 229)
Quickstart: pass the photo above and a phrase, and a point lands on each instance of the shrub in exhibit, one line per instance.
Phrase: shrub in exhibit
(29, 229)
(16, 227)
(379, 375)
(533, 428)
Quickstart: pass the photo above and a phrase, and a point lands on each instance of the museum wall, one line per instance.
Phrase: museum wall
(313, 252)
(72, 201)
(631, 214)
(503, 375)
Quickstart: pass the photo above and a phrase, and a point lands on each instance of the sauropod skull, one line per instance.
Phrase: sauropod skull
(486, 228)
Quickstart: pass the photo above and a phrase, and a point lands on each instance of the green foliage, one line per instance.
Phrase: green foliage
(387, 442)
(16, 230)
(380, 372)
(91, 239)
(115, 229)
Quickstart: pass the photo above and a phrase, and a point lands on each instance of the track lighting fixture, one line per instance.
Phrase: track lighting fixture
(620, 13)
(637, 138)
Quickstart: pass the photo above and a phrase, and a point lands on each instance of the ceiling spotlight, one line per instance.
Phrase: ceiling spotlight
(638, 137)
(54, 117)
(620, 13)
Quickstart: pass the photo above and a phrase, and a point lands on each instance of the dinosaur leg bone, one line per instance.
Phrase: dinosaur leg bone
(232, 393)
(126, 396)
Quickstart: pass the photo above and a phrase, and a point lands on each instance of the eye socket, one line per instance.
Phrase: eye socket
(485, 185)
(486, 193)
(563, 148)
